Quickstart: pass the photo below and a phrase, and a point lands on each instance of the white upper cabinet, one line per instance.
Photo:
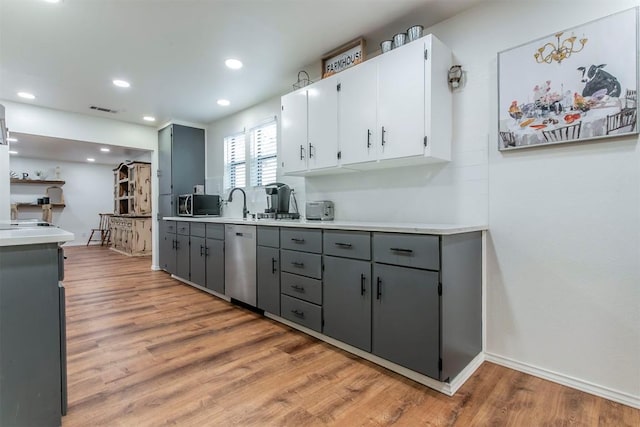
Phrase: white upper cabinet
(401, 99)
(357, 109)
(322, 143)
(393, 110)
(294, 145)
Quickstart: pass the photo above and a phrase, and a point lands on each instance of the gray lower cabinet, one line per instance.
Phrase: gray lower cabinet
(167, 246)
(268, 283)
(197, 270)
(347, 301)
(406, 318)
(182, 257)
(214, 254)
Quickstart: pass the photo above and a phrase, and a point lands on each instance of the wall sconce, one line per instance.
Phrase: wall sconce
(455, 76)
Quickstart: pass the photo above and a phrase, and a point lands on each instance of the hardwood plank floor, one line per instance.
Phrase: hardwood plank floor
(147, 350)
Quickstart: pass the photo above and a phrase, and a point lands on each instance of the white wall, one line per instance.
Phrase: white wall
(4, 183)
(217, 131)
(563, 290)
(88, 191)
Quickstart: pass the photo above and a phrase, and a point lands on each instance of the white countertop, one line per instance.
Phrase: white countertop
(33, 235)
(393, 227)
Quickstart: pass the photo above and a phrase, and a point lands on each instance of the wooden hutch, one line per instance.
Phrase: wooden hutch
(131, 221)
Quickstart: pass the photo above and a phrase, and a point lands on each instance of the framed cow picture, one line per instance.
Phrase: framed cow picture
(575, 85)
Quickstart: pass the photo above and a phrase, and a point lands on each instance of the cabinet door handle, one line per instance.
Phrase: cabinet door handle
(368, 138)
(206, 251)
(406, 251)
(297, 288)
(343, 245)
(201, 250)
(383, 132)
(297, 264)
(298, 313)
(379, 288)
(362, 280)
(177, 244)
(173, 244)
(301, 152)
(311, 149)
(273, 265)
(297, 240)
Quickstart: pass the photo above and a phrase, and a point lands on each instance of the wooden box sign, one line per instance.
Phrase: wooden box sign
(344, 57)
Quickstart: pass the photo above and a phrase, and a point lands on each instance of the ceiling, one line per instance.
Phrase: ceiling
(173, 51)
(42, 147)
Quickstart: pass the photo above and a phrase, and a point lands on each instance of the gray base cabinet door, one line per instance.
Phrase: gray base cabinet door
(214, 252)
(198, 264)
(268, 270)
(347, 301)
(182, 256)
(406, 328)
(167, 253)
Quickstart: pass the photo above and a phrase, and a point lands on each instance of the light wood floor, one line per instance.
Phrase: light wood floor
(147, 350)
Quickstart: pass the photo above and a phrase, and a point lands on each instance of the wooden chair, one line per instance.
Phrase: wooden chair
(104, 229)
(565, 133)
(508, 139)
(624, 118)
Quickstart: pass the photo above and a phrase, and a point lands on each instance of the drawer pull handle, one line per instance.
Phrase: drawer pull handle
(297, 288)
(362, 280)
(379, 290)
(406, 251)
(298, 313)
(296, 240)
(239, 234)
(297, 264)
(273, 265)
(343, 245)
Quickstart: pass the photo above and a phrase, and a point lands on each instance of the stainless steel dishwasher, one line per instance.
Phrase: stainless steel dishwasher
(240, 262)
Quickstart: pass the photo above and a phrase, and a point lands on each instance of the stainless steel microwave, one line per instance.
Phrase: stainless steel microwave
(198, 205)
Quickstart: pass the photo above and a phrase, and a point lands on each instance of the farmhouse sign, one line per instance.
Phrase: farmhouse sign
(344, 57)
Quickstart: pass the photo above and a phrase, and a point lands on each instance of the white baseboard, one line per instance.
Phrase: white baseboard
(466, 373)
(566, 380)
(155, 268)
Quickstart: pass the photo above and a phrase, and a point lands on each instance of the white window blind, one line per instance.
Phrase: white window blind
(235, 164)
(264, 153)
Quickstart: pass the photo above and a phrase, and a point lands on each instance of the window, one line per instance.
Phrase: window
(235, 164)
(264, 153)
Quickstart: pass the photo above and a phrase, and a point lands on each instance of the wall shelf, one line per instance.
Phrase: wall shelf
(36, 181)
(35, 205)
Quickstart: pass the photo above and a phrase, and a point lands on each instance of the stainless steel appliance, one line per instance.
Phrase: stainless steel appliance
(278, 196)
(198, 205)
(321, 210)
(240, 262)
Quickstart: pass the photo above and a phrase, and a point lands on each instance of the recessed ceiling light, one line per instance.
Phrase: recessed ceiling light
(149, 119)
(121, 83)
(105, 149)
(26, 95)
(234, 64)
(13, 152)
(223, 102)
(12, 139)
(91, 159)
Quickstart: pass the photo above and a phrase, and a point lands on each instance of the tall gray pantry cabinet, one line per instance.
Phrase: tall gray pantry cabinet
(181, 159)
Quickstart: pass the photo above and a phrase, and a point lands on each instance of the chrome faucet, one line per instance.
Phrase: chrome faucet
(245, 211)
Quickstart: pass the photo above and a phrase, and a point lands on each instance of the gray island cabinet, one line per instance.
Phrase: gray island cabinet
(32, 328)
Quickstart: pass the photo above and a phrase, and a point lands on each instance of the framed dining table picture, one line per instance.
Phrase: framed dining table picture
(572, 86)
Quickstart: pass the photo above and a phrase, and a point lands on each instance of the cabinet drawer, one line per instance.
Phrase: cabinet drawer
(348, 244)
(215, 231)
(411, 250)
(169, 227)
(182, 228)
(198, 229)
(302, 263)
(301, 239)
(301, 287)
(269, 236)
(301, 312)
